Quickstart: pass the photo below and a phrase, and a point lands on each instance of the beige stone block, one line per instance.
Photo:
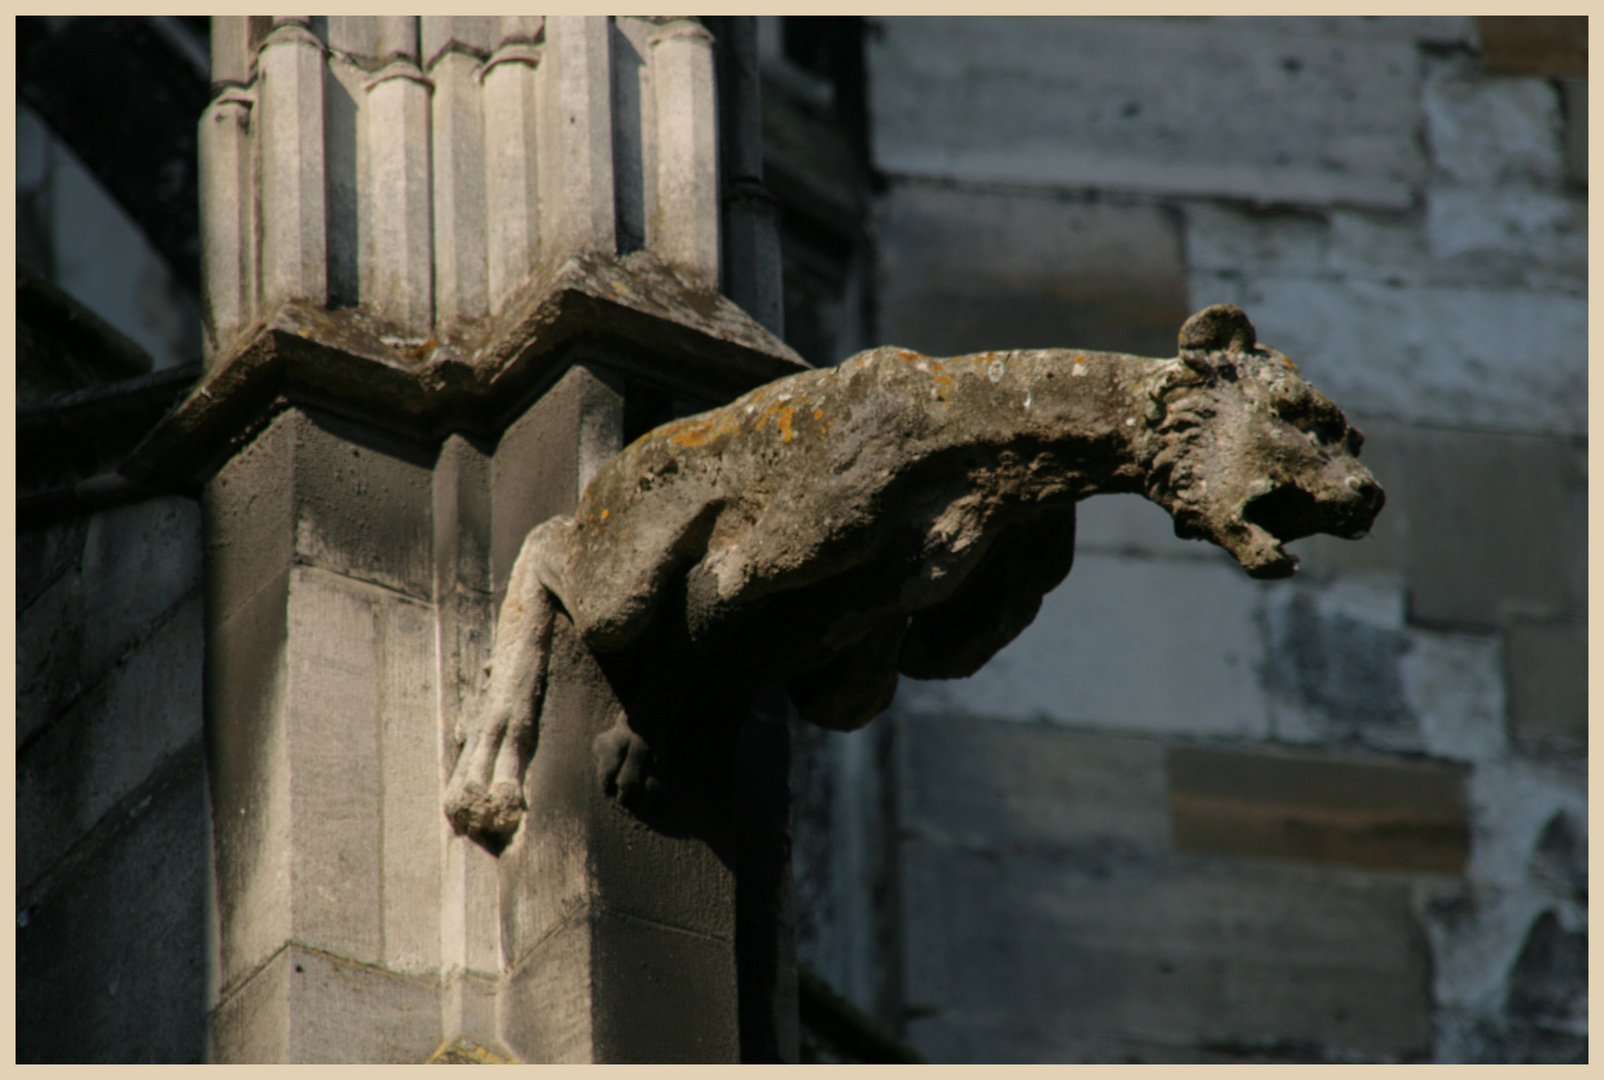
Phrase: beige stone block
(458, 154)
(332, 728)
(543, 1009)
(251, 1026)
(683, 223)
(345, 1013)
(513, 157)
(576, 139)
(246, 689)
(307, 1007)
(399, 229)
(410, 763)
(292, 174)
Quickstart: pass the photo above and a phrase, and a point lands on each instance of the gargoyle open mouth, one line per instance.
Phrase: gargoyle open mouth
(1287, 513)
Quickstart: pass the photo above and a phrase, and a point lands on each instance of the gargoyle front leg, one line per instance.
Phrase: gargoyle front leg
(484, 798)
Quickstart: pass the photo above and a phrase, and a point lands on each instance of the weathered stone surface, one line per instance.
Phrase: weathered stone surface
(307, 1006)
(980, 784)
(1211, 109)
(340, 361)
(1547, 677)
(112, 956)
(930, 549)
(134, 566)
(1491, 526)
(962, 270)
(1489, 131)
(1089, 656)
(125, 728)
(1501, 359)
(323, 492)
(1091, 942)
(1366, 812)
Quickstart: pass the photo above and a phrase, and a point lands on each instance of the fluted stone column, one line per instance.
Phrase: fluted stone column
(451, 265)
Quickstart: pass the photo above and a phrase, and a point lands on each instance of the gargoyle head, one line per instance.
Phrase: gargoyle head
(1247, 454)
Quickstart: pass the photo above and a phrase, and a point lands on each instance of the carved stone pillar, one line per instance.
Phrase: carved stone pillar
(451, 265)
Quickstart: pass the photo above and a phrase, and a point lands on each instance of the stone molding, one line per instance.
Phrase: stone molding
(344, 362)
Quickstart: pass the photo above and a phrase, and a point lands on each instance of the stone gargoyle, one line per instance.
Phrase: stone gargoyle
(894, 515)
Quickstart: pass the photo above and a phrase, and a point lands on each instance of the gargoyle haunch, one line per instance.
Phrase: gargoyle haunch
(894, 515)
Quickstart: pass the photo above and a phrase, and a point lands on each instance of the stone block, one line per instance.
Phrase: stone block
(1491, 527)
(1495, 358)
(1545, 229)
(663, 995)
(1228, 237)
(468, 1008)
(540, 465)
(139, 562)
(1365, 812)
(249, 761)
(112, 740)
(610, 988)
(964, 271)
(247, 508)
(1080, 949)
(1484, 131)
(979, 783)
(1090, 656)
(333, 712)
(543, 1008)
(111, 960)
(1547, 677)
(1243, 111)
(1534, 44)
(1455, 687)
(44, 555)
(362, 505)
(50, 633)
(1334, 656)
(308, 1007)
(318, 491)
(410, 773)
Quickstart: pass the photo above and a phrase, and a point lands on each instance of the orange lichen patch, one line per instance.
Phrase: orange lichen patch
(943, 378)
(818, 414)
(604, 514)
(937, 365)
(693, 433)
(784, 423)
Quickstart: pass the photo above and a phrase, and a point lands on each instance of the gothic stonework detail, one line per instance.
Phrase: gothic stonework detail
(895, 515)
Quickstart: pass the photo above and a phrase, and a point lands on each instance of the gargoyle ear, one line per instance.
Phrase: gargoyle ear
(1218, 328)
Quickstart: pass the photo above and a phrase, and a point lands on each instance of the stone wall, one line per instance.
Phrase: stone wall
(1190, 816)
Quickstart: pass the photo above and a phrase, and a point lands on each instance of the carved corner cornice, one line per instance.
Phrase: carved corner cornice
(633, 312)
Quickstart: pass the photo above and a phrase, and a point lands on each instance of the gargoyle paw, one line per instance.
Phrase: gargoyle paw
(626, 765)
